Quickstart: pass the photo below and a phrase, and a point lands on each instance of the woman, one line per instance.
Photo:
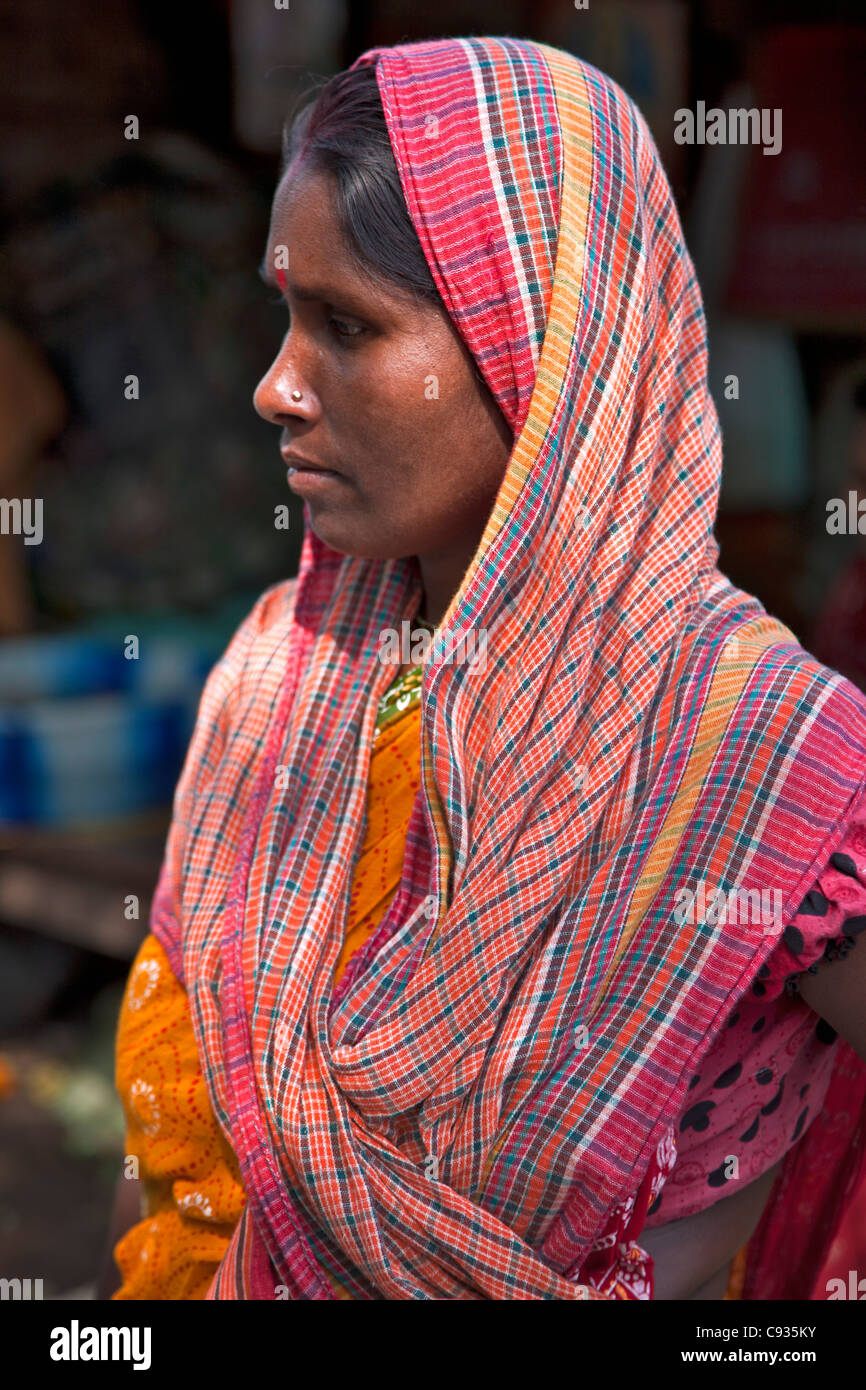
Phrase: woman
(439, 1000)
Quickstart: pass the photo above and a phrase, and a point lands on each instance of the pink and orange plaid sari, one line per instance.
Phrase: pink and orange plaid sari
(495, 1073)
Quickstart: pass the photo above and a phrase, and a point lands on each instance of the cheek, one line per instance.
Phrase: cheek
(429, 397)
(411, 418)
(392, 416)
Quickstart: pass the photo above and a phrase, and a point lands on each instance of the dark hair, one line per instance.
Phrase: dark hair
(343, 131)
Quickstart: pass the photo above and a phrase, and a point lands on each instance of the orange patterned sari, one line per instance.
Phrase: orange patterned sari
(192, 1192)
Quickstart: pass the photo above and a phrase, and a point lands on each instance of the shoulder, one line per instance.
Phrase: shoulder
(244, 682)
(781, 696)
(807, 723)
(807, 679)
(269, 621)
(831, 698)
(255, 643)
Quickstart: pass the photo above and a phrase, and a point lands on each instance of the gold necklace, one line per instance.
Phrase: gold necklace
(403, 693)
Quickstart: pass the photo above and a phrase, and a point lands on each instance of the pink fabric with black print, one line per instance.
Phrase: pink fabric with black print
(762, 1084)
(765, 1079)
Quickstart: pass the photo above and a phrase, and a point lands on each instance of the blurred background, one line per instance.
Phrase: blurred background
(139, 144)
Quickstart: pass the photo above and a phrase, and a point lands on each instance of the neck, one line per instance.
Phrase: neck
(440, 581)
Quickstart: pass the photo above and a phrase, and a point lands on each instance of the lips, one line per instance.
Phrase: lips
(305, 465)
(313, 482)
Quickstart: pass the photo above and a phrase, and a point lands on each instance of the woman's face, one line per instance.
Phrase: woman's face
(391, 400)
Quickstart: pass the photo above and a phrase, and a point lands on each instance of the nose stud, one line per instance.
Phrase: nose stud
(296, 395)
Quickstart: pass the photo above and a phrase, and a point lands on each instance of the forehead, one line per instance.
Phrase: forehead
(304, 211)
(321, 264)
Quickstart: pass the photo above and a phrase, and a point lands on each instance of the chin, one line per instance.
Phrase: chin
(349, 540)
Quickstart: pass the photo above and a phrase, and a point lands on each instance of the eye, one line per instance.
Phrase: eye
(346, 330)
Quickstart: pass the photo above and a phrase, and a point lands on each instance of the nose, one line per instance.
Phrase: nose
(273, 399)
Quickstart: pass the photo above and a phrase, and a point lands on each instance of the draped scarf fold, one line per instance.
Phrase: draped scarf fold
(499, 1063)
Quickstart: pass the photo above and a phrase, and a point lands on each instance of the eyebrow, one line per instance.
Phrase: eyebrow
(308, 292)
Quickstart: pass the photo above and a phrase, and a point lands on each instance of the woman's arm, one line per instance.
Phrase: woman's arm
(125, 1212)
(837, 992)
